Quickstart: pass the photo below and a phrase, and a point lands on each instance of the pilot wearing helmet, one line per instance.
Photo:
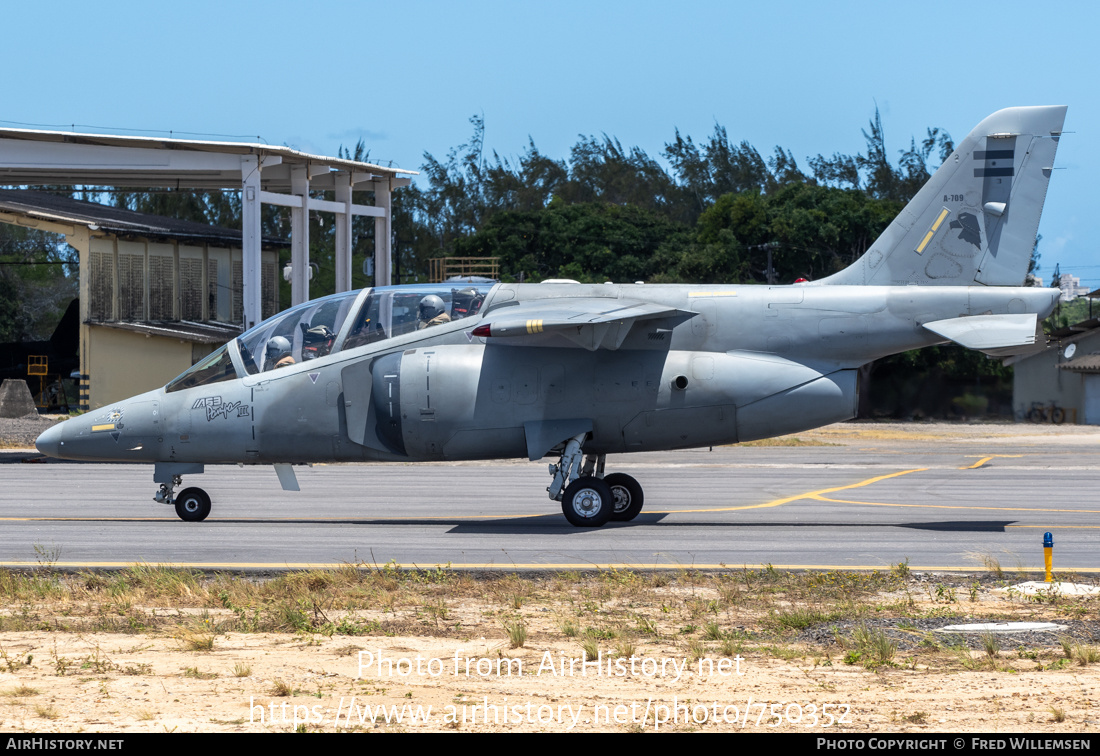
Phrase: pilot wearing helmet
(316, 341)
(432, 312)
(277, 353)
(465, 302)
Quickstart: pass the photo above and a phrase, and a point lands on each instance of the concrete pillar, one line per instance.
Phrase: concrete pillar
(251, 239)
(81, 240)
(383, 264)
(299, 236)
(343, 231)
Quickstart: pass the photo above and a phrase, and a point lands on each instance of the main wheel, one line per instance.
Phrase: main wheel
(192, 505)
(628, 496)
(588, 502)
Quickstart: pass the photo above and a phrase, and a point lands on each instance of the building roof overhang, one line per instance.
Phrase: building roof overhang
(184, 330)
(34, 157)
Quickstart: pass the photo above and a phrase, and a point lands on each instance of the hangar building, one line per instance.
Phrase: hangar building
(161, 293)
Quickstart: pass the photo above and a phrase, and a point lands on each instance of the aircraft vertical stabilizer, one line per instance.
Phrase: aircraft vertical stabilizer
(976, 219)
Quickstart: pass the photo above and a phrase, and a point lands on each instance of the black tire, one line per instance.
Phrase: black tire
(1036, 415)
(1057, 416)
(192, 505)
(588, 502)
(627, 494)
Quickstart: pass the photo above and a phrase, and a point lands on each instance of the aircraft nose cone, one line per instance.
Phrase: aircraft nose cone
(49, 443)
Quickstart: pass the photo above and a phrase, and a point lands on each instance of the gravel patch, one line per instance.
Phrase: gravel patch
(913, 632)
(20, 432)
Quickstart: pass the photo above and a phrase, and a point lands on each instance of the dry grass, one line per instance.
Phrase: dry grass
(727, 612)
(787, 441)
(873, 433)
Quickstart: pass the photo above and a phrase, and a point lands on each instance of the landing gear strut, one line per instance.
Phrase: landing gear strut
(590, 499)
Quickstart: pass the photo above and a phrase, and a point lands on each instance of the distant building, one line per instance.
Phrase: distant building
(1071, 287)
(157, 295)
(1066, 374)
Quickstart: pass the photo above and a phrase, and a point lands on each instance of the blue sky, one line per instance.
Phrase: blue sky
(406, 77)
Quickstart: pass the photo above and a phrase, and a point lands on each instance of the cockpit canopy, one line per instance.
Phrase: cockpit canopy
(337, 323)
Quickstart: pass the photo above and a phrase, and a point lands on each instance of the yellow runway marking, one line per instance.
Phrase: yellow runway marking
(1055, 527)
(789, 499)
(983, 460)
(953, 506)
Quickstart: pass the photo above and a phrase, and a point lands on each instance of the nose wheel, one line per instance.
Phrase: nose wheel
(192, 505)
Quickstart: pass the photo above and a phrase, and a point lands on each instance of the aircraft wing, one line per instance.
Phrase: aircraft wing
(590, 322)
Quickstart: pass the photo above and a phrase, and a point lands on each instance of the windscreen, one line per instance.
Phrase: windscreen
(213, 369)
(300, 334)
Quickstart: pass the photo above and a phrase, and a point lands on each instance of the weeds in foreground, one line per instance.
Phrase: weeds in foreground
(12, 663)
(695, 650)
(625, 648)
(1082, 654)
(192, 640)
(871, 647)
(992, 647)
(196, 674)
(798, 618)
(517, 633)
(990, 562)
(47, 555)
(46, 711)
(21, 692)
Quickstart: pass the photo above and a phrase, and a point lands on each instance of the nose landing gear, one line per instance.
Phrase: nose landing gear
(192, 504)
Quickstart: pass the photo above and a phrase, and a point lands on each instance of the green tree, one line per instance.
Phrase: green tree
(594, 241)
(38, 279)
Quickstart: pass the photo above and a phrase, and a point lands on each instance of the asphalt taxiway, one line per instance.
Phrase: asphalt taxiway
(942, 501)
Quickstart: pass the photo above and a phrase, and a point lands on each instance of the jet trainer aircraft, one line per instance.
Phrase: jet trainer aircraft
(581, 371)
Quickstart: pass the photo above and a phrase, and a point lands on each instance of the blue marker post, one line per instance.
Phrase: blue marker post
(1048, 552)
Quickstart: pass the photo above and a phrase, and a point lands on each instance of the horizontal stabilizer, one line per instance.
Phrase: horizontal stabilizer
(988, 331)
(589, 322)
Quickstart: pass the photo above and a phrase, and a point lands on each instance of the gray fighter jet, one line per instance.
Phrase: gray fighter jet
(577, 372)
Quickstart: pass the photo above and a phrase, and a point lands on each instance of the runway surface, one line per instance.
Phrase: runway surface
(942, 501)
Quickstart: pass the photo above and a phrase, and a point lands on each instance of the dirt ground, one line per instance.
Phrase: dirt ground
(456, 669)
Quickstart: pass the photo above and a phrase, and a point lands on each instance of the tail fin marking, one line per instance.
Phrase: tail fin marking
(976, 219)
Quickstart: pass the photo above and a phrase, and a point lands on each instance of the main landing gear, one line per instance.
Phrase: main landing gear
(192, 504)
(590, 499)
